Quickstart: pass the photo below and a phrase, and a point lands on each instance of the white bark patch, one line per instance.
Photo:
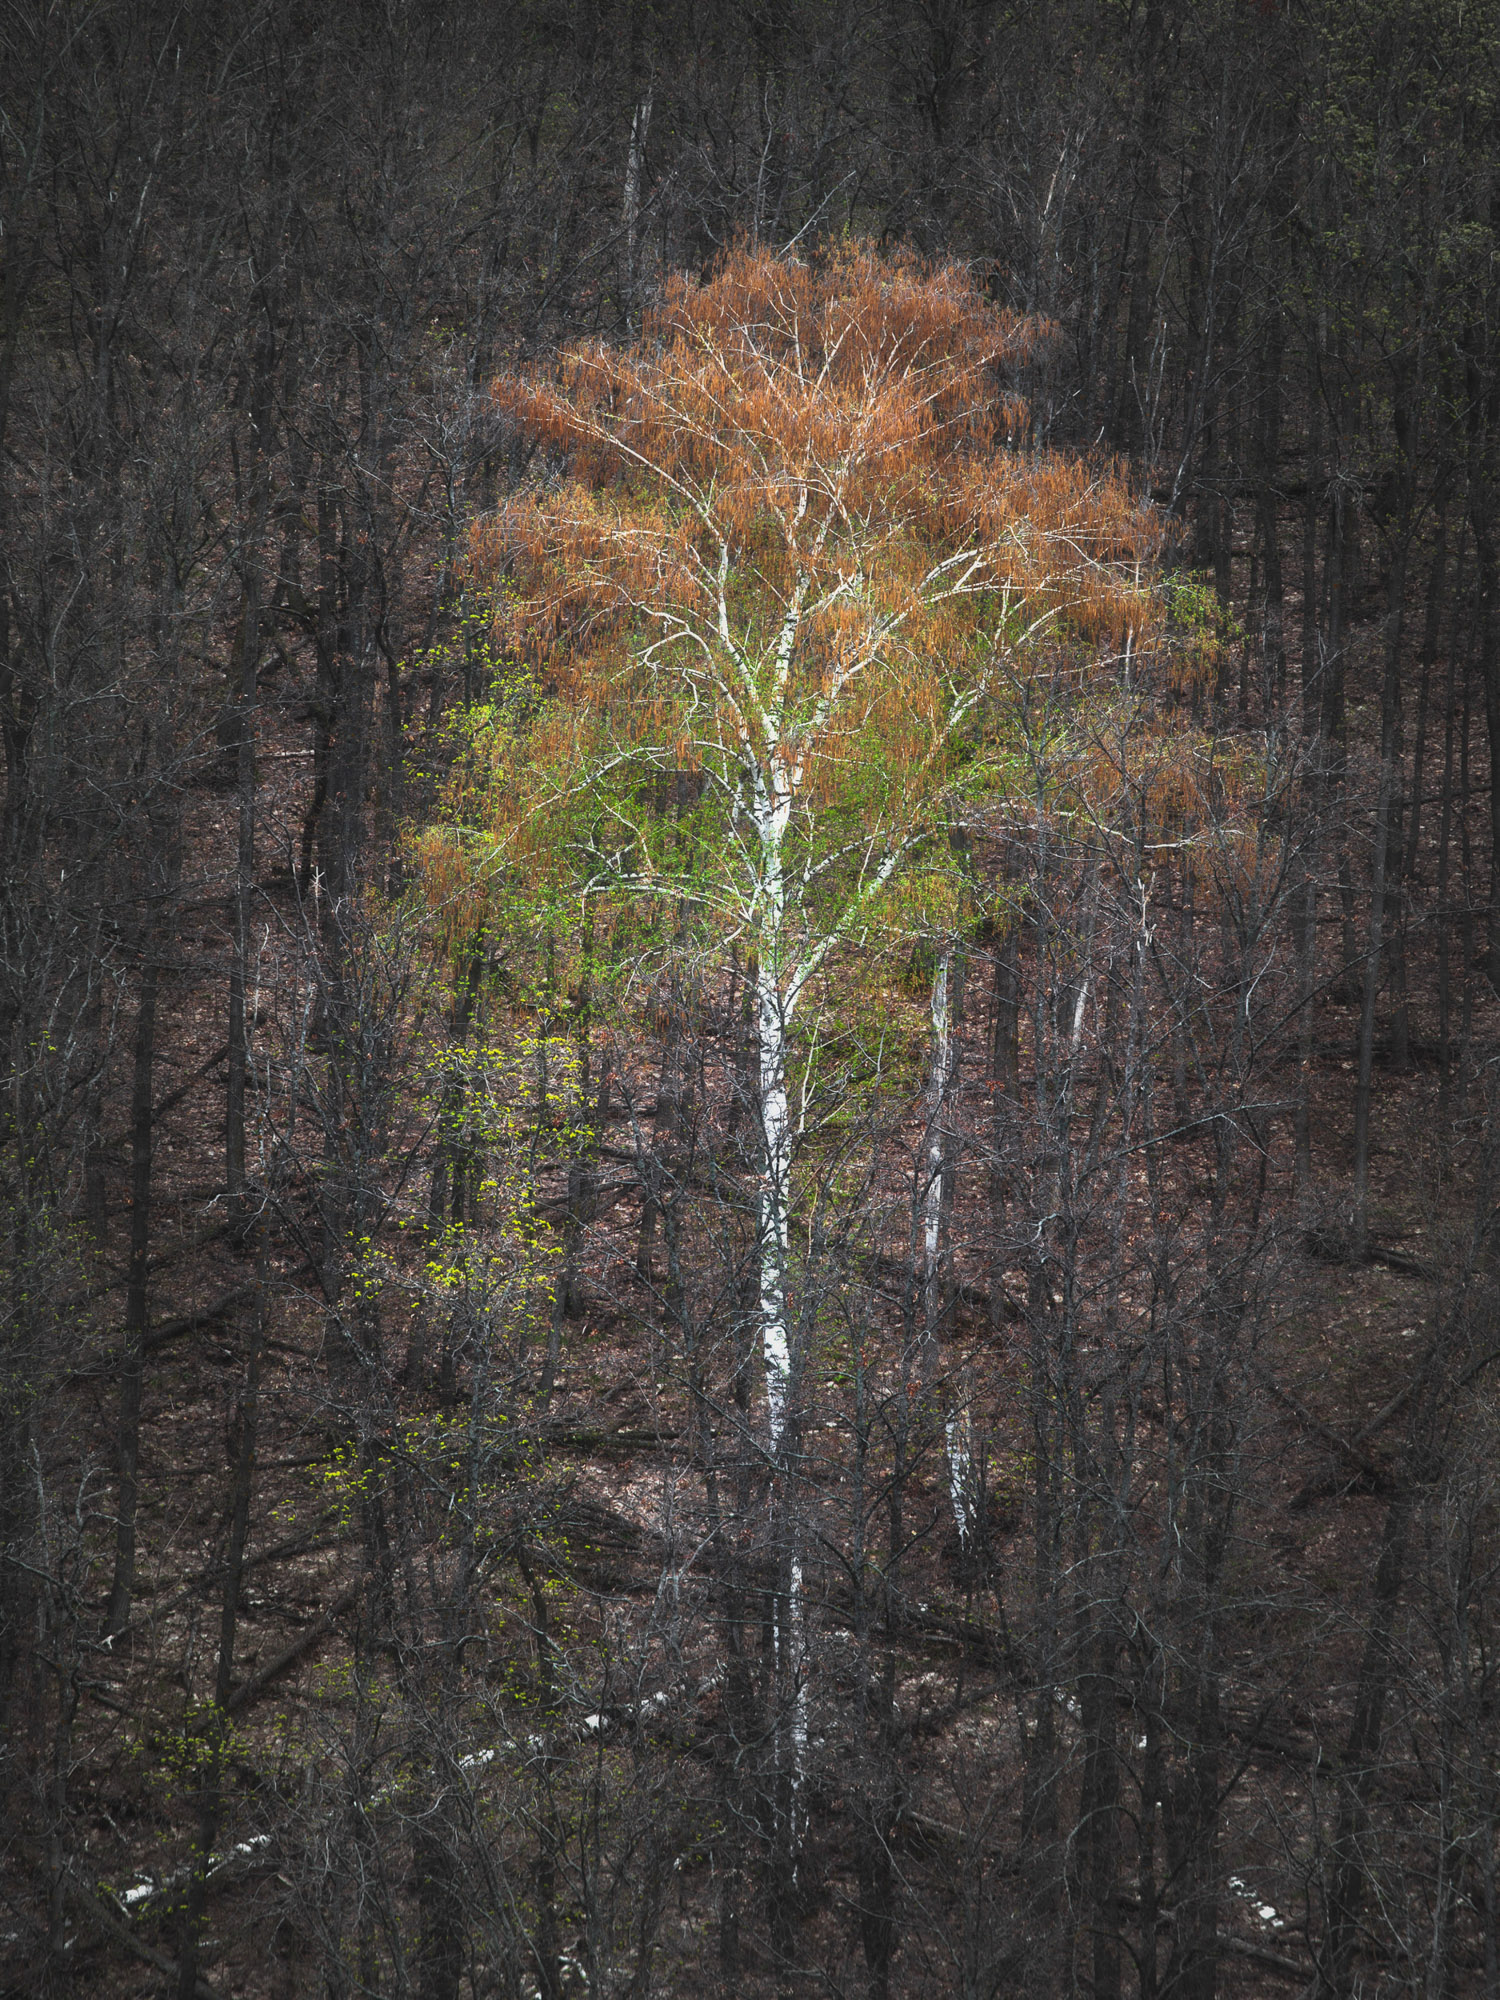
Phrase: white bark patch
(775, 1241)
(937, 1093)
(959, 1431)
(961, 1472)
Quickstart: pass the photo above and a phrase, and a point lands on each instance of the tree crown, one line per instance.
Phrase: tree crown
(787, 542)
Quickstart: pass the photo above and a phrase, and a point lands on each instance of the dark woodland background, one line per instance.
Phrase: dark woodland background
(387, 1580)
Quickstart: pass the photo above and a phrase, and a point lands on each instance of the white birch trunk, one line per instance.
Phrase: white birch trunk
(776, 998)
(958, 1432)
(960, 1438)
(772, 1024)
(932, 1199)
(640, 124)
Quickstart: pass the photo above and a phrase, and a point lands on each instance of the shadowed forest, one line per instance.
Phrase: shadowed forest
(749, 948)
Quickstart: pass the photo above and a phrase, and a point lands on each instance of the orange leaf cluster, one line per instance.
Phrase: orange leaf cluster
(828, 438)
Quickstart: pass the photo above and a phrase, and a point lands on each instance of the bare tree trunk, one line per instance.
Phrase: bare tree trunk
(1484, 438)
(655, 1158)
(128, 1421)
(582, 1203)
(1390, 695)
(1445, 845)
(1361, 1750)
(640, 126)
(243, 719)
(241, 1491)
(1004, 1095)
(1267, 496)
(1405, 859)
(940, 1163)
(241, 902)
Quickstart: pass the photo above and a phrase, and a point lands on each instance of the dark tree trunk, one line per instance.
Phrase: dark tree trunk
(244, 1422)
(132, 1372)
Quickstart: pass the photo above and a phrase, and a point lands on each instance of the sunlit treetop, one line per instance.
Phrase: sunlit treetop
(789, 539)
(839, 429)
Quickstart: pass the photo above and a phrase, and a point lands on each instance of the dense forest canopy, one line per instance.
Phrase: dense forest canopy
(748, 998)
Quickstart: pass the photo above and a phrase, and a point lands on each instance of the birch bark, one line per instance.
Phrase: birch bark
(776, 998)
(937, 1201)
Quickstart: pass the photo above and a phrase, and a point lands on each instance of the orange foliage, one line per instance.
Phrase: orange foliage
(785, 540)
(824, 442)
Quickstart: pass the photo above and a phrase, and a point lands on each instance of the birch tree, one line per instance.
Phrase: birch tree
(781, 544)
